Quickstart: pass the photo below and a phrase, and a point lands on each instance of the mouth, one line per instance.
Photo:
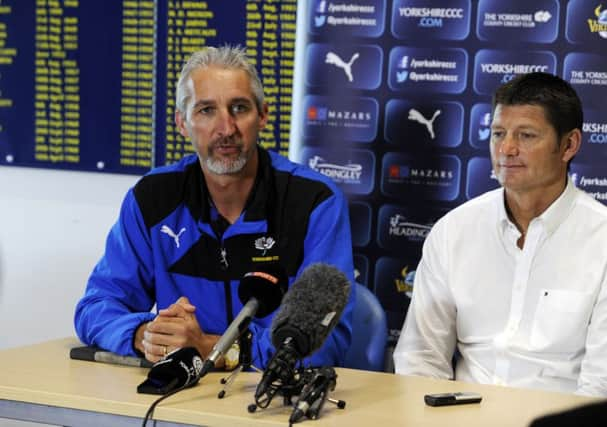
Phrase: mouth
(227, 148)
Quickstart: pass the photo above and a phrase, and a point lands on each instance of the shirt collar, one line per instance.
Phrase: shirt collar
(551, 218)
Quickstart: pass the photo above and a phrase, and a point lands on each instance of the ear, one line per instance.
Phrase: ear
(264, 116)
(180, 121)
(572, 142)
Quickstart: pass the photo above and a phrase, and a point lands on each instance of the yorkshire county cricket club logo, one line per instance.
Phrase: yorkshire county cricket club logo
(264, 244)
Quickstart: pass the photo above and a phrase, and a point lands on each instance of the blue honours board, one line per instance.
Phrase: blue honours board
(90, 85)
(396, 109)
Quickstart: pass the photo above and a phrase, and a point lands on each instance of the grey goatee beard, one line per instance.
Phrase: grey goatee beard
(226, 167)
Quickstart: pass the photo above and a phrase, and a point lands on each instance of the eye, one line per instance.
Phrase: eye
(206, 110)
(526, 135)
(497, 134)
(240, 108)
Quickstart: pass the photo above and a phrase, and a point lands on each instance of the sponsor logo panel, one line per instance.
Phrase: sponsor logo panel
(360, 223)
(431, 178)
(343, 66)
(424, 124)
(443, 19)
(480, 177)
(518, 20)
(440, 70)
(591, 178)
(352, 170)
(480, 126)
(586, 22)
(594, 136)
(587, 73)
(495, 67)
(394, 279)
(361, 269)
(404, 230)
(345, 118)
(357, 18)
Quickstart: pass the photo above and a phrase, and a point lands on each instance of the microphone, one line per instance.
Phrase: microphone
(314, 394)
(310, 310)
(178, 369)
(261, 293)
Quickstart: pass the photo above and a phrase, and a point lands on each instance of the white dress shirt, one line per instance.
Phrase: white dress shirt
(534, 317)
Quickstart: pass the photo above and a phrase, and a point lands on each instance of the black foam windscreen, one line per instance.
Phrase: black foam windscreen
(177, 369)
(267, 285)
(311, 308)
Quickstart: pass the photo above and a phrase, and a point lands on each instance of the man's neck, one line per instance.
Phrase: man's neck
(523, 207)
(230, 192)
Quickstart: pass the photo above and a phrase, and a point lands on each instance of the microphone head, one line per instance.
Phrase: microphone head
(311, 308)
(179, 368)
(267, 285)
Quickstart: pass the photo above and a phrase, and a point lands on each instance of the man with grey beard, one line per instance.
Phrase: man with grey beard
(188, 232)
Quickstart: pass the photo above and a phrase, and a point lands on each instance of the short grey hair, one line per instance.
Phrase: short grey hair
(230, 57)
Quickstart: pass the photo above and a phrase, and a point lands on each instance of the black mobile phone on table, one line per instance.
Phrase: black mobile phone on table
(458, 398)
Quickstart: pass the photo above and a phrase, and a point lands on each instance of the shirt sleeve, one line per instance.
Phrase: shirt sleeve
(119, 294)
(327, 240)
(427, 341)
(593, 375)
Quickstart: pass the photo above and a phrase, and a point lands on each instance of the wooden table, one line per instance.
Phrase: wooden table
(41, 383)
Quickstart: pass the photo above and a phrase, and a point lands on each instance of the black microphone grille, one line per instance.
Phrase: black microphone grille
(311, 307)
(267, 283)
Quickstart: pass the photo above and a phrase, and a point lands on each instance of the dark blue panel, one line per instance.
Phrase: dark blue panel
(479, 177)
(586, 22)
(480, 126)
(442, 19)
(592, 178)
(356, 18)
(428, 177)
(361, 269)
(341, 66)
(352, 170)
(360, 223)
(518, 20)
(587, 73)
(341, 118)
(421, 124)
(428, 69)
(404, 228)
(494, 67)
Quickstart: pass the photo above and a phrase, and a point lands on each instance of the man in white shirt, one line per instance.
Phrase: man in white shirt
(515, 280)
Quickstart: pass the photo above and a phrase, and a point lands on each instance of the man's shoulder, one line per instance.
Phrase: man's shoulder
(588, 206)
(162, 189)
(302, 178)
(479, 205)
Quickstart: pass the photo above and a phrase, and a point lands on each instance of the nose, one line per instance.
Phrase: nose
(508, 146)
(226, 124)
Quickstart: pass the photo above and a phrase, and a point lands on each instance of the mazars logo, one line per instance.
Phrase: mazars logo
(322, 113)
(402, 228)
(599, 25)
(349, 173)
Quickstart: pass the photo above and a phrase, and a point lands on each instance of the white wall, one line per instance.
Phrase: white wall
(53, 226)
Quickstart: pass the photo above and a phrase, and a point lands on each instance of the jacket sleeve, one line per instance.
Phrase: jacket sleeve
(120, 293)
(328, 240)
(427, 341)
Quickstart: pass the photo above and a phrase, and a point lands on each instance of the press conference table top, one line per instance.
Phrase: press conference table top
(41, 383)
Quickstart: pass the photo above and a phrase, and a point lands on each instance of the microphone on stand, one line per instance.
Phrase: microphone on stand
(261, 293)
(309, 312)
(314, 394)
